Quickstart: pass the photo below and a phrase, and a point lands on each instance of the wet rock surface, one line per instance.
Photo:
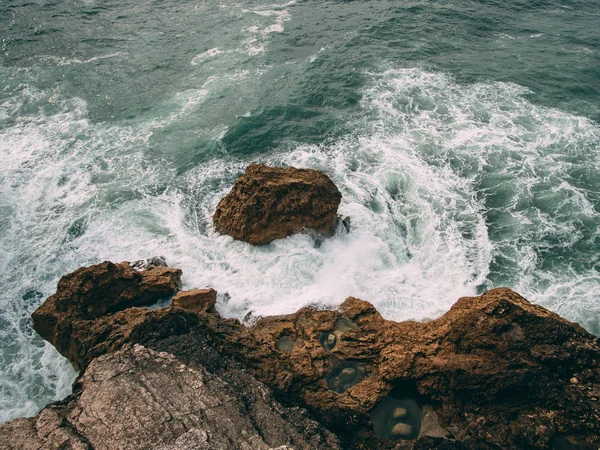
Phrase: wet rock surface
(268, 203)
(345, 375)
(494, 372)
(397, 418)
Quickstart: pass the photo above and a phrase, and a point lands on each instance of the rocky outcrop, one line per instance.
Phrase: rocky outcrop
(92, 311)
(495, 372)
(268, 203)
(137, 398)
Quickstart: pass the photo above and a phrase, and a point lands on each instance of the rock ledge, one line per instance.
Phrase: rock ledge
(494, 372)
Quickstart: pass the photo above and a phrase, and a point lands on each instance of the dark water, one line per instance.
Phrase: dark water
(464, 137)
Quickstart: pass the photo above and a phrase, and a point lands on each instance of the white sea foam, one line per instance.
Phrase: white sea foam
(198, 59)
(521, 162)
(314, 57)
(257, 42)
(63, 61)
(417, 179)
(413, 182)
(55, 170)
(430, 164)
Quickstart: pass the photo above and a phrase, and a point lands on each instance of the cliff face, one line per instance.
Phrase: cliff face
(495, 372)
(92, 311)
(137, 398)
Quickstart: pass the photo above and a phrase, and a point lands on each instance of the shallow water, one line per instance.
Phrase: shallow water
(464, 138)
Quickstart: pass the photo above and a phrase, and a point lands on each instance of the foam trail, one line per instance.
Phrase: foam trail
(57, 169)
(275, 16)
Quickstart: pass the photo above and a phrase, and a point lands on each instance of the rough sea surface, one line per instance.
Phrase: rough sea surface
(464, 136)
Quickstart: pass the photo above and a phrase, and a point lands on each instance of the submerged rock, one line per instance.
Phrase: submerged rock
(399, 413)
(402, 429)
(493, 372)
(268, 203)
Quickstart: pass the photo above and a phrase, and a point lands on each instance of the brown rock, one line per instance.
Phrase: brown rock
(268, 203)
(104, 288)
(91, 313)
(197, 300)
(493, 372)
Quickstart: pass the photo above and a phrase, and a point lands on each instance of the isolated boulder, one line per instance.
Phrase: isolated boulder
(268, 203)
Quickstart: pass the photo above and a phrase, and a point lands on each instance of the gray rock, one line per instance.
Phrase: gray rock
(140, 398)
(148, 263)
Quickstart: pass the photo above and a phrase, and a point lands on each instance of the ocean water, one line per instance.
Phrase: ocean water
(464, 137)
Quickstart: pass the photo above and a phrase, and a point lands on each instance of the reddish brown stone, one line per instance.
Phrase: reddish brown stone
(493, 372)
(90, 313)
(196, 300)
(268, 203)
(495, 369)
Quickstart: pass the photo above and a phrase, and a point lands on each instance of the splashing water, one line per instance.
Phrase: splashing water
(453, 186)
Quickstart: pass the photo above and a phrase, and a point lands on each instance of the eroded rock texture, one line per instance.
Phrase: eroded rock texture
(268, 203)
(495, 372)
(137, 398)
(197, 300)
(92, 311)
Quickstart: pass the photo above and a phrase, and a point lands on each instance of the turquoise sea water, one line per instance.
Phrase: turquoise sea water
(464, 137)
